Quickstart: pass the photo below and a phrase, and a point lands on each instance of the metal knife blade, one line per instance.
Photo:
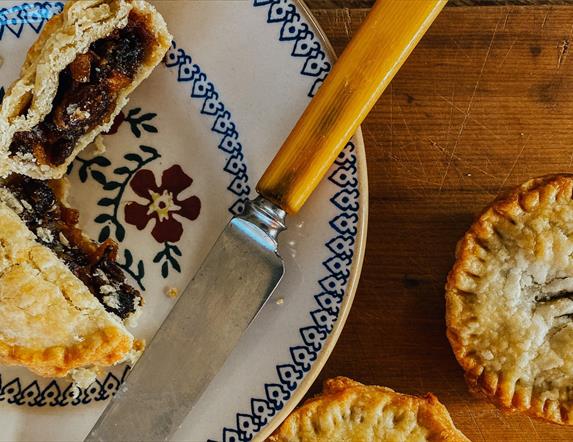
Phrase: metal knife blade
(233, 283)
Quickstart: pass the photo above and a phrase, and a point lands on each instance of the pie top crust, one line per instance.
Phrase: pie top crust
(348, 411)
(49, 320)
(509, 300)
(30, 99)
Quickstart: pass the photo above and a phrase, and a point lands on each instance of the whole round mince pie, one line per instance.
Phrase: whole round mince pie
(348, 411)
(509, 300)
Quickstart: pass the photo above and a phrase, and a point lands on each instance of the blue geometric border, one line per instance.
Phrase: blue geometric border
(27, 15)
(13, 21)
(201, 88)
(344, 226)
(55, 395)
(292, 29)
(14, 391)
(305, 45)
(328, 302)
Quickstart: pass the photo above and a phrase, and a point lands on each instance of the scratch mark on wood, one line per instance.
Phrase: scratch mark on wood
(545, 18)
(413, 139)
(513, 165)
(506, 18)
(468, 110)
(412, 136)
(532, 424)
(478, 427)
(506, 54)
(476, 121)
(411, 175)
(342, 17)
(452, 107)
(563, 49)
(458, 48)
(347, 22)
(570, 161)
(369, 132)
(437, 146)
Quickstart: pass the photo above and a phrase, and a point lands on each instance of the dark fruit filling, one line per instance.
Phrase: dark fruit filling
(87, 93)
(55, 226)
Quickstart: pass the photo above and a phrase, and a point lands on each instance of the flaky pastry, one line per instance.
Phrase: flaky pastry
(348, 411)
(62, 296)
(509, 300)
(75, 80)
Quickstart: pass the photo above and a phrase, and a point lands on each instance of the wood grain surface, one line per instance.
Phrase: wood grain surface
(338, 4)
(484, 103)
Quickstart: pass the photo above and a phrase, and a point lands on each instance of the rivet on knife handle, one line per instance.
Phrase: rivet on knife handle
(366, 67)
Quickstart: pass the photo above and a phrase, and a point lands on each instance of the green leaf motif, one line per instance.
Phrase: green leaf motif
(122, 170)
(104, 234)
(100, 219)
(127, 267)
(101, 161)
(168, 259)
(111, 185)
(175, 265)
(119, 232)
(99, 177)
(146, 117)
(149, 149)
(117, 186)
(136, 121)
(105, 202)
(150, 128)
(133, 157)
(128, 258)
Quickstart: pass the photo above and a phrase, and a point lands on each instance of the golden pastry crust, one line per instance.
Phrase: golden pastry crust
(29, 100)
(348, 411)
(509, 300)
(49, 320)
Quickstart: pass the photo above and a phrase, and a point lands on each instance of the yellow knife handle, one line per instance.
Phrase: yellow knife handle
(365, 68)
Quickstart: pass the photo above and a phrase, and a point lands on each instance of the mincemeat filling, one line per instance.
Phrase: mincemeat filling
(87, 93)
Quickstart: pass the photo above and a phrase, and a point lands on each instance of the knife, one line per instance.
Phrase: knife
(244, 267)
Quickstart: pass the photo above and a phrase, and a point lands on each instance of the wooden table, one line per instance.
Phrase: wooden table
(484, 103)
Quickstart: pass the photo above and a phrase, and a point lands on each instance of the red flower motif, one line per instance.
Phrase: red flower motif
(163, 203)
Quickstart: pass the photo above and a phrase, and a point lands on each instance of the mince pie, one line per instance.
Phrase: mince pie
(75, 80)
(63, 298)
(348, 411)
(510, 300)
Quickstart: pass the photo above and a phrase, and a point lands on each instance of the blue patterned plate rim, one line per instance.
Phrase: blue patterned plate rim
(352, 161)
(360, 247)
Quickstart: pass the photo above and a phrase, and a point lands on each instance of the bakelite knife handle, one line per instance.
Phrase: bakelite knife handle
(366, 67)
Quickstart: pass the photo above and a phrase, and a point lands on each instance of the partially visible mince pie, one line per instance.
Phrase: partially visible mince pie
(75, 80)
(63, 298)
(349, 411)
(510, 300)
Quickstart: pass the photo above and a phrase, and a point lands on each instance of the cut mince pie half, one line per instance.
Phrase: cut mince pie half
(510, 300)
(348, 411)
(62, 296)
(75, 80)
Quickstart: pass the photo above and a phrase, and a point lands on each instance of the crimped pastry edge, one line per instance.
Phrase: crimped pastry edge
(103, 348)
(106, 345)
(484, 383)
(432, 414)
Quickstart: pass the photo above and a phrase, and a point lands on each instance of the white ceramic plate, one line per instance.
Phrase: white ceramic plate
(202, 128)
